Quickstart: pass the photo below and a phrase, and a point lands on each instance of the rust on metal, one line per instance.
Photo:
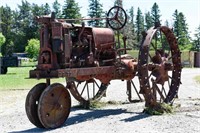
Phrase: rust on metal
(88, 58)
(163, 62)
(54, 106)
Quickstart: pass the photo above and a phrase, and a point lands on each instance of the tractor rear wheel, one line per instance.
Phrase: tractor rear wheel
(159, 66)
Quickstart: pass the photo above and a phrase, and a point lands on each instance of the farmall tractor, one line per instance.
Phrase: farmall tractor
(83, 55)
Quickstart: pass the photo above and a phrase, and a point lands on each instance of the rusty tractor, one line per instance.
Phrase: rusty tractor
(83, 55)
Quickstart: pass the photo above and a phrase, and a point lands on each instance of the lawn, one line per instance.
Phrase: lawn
(197, 78)
(17, 78)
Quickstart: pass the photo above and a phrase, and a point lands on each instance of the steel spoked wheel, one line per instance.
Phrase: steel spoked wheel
(31, 105)
(116, 18)
(159, 66)
(133, 93)
(54, 106)
(86, 91)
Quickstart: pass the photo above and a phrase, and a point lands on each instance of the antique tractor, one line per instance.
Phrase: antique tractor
(83, 55)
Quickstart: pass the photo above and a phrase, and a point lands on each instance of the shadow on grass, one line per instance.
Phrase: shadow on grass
(93, 114)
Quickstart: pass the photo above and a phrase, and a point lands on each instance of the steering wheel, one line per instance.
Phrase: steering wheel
(116, 17)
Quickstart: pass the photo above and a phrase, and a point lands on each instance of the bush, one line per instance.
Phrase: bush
(32, 48)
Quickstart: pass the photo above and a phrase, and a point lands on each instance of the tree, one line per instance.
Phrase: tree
(167, 23)
(2, 40)
(196, 43)
(155, 13)
(33, 48)
(47, 9)
(6, 28)
(71, 10)
(139, 24)
(131, 15)
(118, 3)
(148, 21)
(176, 23)
(56, 8)
(129, 30)
(24, 26)
(181, 30)
(95, 11)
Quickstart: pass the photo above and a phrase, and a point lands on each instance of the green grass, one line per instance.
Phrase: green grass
(197, 79)
(16, 78)
(133, 53)
(97, 104)
(28, 63)
(160, 109)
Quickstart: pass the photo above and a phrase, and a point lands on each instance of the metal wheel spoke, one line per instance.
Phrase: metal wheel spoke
(150, 57)
(136, 90)
(78, 84)
(150, 74)
(85, 93)
(96, 84)
(169, 83)
(83, 88)
(172, 56)
(163, 90)
(154, 47)
(161, 41)
(172, 78)
(88, 93)
(159, 92)
(93, 89)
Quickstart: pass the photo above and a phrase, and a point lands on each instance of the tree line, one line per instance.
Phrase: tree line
(18, 26)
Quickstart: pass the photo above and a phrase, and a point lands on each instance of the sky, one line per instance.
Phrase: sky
(190, 8)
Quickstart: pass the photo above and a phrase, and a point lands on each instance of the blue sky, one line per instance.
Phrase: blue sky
(190, 8)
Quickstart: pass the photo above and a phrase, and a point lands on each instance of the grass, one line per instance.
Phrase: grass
(160, 109)
(16, 78)
(97, 104)
(28, 63)
(197, 79)
(133, 53)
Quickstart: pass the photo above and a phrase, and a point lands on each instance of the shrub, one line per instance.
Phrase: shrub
(32, 48)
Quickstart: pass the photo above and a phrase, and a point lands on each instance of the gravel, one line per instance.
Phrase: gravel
(120, 118)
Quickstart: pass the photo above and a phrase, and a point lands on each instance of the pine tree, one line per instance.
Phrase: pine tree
(184, 24)
(129, 30)
(148, 21)
(131, 15)
(56, 8)
(181, 30)
(166, 23)
(196, 43)
(47, 9)
(95, 11)
(177, 24)
(139, 24)
(155, 13)
(71, 10)
(118, 3)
